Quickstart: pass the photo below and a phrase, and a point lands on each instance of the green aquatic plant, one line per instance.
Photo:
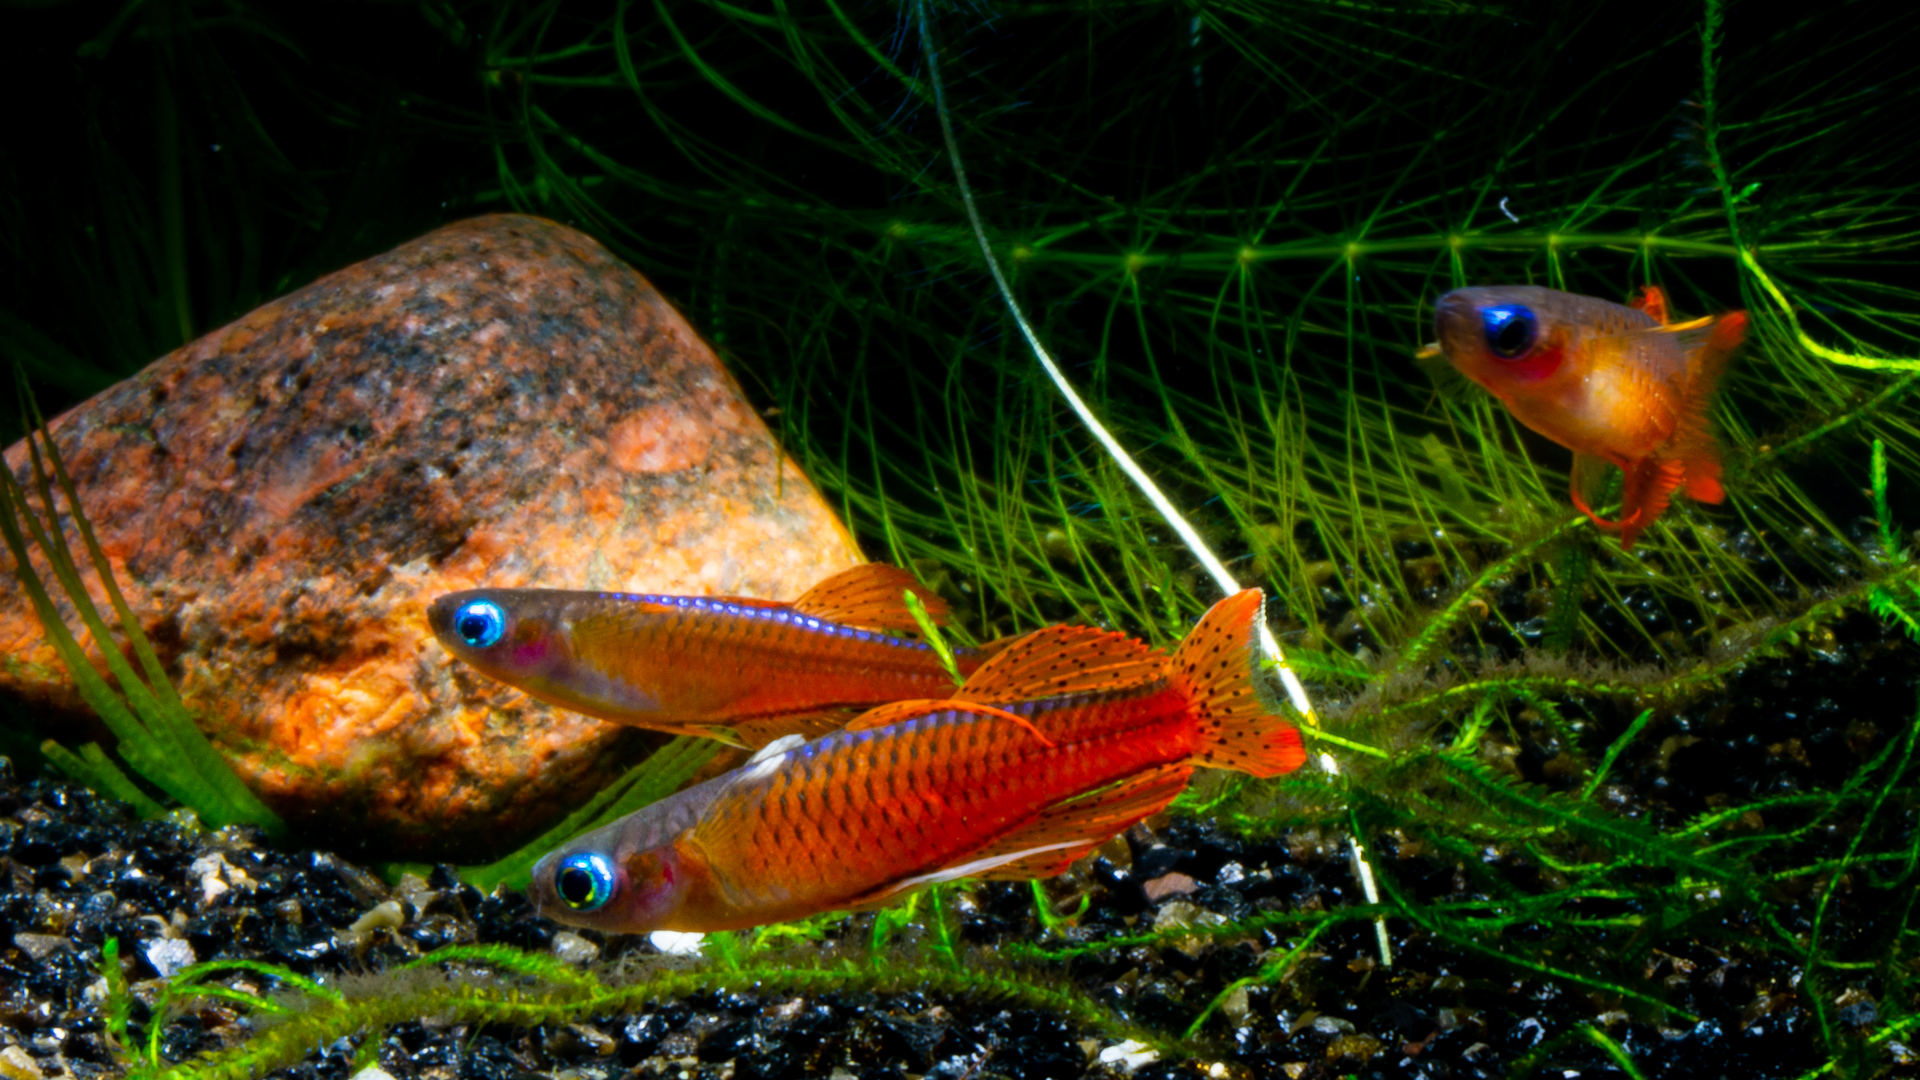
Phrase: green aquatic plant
(156, 734)
(1228, 222)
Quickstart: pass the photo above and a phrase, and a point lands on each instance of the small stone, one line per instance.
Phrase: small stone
(169, 955)
(1361, 1048)
(385, 915)
(501, 402)
(574, 949)
(1128, 1055)
(40, 946)
(1168, 885)
(1181, 914)
(17, 1064)
(373, 1072)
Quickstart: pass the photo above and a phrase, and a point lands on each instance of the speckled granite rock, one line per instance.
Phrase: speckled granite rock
(501, 402)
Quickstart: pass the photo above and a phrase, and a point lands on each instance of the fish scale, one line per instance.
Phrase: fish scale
(946, 756)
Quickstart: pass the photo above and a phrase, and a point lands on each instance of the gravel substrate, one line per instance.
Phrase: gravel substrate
(77, 870)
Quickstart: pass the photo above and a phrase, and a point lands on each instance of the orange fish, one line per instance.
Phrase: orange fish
(1056, 745)
(745, 671)
(1616, 384)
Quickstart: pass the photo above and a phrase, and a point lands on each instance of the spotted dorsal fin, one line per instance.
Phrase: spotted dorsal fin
(899, 711)
(1063, 660)
(871, 596)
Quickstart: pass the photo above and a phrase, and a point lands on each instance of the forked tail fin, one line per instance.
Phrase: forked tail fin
(1215, 668)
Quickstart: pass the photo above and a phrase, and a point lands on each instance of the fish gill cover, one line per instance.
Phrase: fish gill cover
(1230, 222)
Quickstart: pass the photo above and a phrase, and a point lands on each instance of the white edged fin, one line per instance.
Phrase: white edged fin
(966, 869)
(767, 759)
(775, 748)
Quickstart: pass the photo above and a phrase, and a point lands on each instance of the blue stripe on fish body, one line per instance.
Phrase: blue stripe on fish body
(783, 616)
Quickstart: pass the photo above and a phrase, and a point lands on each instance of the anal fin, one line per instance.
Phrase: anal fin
(1053, 839)
(870, 596)
(1650, 485)
(1092, 819)
(1587, 485)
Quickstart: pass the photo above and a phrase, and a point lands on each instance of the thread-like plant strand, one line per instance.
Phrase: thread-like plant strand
(1189, 536)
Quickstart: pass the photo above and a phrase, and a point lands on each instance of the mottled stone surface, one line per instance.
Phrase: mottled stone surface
(501, 402)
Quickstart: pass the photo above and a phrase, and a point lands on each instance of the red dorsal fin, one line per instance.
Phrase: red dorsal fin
(1652, 300)
(1063, 660)
(899, 711)
(870, 596)
(1214, 668)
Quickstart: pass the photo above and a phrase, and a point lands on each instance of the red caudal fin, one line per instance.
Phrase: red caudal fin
(1215, 669)
(1694, 445)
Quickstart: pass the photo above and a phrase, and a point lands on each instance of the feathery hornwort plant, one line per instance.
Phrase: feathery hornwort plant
(1230, 221)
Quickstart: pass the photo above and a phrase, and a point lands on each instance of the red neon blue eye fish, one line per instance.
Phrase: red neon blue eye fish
(741, 670)
(1616, 384)
(1054, 746)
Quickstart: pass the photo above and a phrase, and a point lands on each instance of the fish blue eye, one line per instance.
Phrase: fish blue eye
(1511, 329)
(480, 623)
(584, 881)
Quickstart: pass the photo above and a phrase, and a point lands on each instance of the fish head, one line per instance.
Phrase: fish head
(1507, 338)
(509, 634)
(590, 883)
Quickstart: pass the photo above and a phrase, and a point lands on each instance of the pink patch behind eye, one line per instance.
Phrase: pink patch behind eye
(527, 654)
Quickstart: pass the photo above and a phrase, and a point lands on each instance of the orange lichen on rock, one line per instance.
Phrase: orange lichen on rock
(498, 403)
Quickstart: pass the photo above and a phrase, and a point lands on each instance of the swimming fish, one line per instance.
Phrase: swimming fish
(741, 670)
(1065, 739)
(1616, 384)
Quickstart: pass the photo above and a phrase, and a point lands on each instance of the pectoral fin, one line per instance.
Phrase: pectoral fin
(1589, 485)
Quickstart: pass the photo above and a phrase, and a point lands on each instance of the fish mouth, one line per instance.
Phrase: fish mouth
(440, 614)
(1456, 322)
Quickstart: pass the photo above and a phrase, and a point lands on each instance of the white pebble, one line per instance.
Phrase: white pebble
(675, 943)
(1129, 1055)
(169, 955)
(573, 948)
